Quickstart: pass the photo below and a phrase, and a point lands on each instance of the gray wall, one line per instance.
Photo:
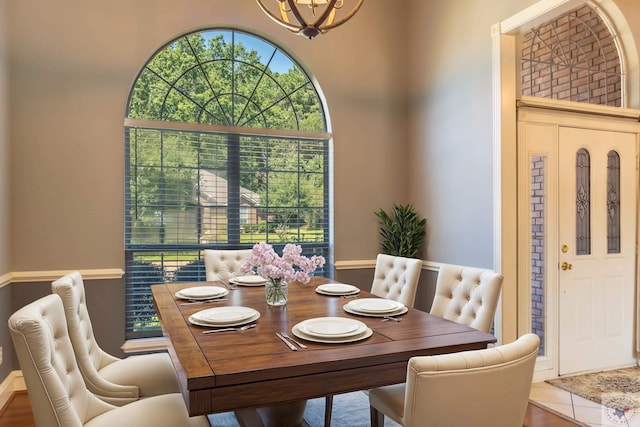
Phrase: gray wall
(105, 302)
(451, 148)
(8, 363)
(4, 148)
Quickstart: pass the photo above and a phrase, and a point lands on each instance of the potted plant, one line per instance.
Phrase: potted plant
(402, 232)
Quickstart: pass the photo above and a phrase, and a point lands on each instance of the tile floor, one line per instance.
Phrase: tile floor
(582, 409)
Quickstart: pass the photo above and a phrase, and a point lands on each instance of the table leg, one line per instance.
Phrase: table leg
(283, 415)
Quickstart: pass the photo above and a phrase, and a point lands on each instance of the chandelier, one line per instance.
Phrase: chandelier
(310, 18)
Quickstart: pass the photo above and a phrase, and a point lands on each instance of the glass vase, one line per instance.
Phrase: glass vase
(276, 291)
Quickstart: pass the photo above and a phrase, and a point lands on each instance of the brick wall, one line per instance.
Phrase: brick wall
(573, 58)
(538, 249)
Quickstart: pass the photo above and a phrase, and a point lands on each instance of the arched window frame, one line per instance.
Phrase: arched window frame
(194, 142)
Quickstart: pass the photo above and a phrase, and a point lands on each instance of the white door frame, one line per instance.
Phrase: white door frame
(505, 89)
(539, 121)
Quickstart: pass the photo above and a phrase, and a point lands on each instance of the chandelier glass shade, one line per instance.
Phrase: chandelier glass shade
(310, 18)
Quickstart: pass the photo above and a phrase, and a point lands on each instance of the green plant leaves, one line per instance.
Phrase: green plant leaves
(403, 232)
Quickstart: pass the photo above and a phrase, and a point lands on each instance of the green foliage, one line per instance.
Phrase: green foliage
(212, 78)
(223, 78)
(402, 232)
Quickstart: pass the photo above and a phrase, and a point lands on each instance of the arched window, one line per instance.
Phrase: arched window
(226, 145)
(574, 58)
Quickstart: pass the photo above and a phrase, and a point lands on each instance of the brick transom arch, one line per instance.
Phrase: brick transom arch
(573, 57)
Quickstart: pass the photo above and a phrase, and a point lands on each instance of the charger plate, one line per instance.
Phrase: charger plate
(216, 325)
(202, 292)
(331, 340)
(398, 312)
(337, 289)
(375, 305)
(331, 327)
(224, 316)
(248, 280)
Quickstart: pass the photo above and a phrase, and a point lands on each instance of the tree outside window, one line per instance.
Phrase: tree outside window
(226, 145)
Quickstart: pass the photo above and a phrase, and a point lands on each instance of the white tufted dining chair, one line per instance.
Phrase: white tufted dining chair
(480, 388)
(467, 295)
(223, 264)
(57, 392)
(394, 278)
(114, 380)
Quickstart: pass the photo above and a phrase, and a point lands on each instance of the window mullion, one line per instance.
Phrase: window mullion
(233, 188)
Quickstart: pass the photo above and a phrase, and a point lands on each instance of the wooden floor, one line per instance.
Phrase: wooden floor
(538, 416)
(18, 414)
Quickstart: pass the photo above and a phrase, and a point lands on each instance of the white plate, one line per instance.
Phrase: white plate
(248, 280)
(215, 325)
(224, 315)
(202, 292)
(337, 289)
(375, 305)
(398, 312)
(336, 295)
(332, 340)
(331, 327)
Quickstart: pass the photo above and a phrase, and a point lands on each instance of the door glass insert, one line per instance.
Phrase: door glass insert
(573, 57)
(583, 202)
(538, 243)
(613, 202)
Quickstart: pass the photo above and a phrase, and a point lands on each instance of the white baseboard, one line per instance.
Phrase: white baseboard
(13, 383)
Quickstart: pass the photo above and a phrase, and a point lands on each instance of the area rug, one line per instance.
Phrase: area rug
(618, 389)
(349, 410)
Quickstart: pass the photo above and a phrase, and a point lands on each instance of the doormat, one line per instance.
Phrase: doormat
(618, 389)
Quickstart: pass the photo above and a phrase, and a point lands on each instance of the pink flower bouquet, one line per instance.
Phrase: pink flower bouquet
(292, 266)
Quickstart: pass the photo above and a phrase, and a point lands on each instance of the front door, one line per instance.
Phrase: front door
(577, 233)
(596, 236)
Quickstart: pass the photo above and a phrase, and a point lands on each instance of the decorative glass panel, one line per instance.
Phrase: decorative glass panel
(538, 244)
(583, 202)
(613, 203)
(573, 57)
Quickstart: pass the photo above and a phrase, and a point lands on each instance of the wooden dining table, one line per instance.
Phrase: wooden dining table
(244, 370)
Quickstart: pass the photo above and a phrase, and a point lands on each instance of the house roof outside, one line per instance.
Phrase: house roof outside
(213, 191)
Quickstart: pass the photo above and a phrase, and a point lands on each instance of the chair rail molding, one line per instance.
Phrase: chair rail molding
(50, 275)
(371, 263)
